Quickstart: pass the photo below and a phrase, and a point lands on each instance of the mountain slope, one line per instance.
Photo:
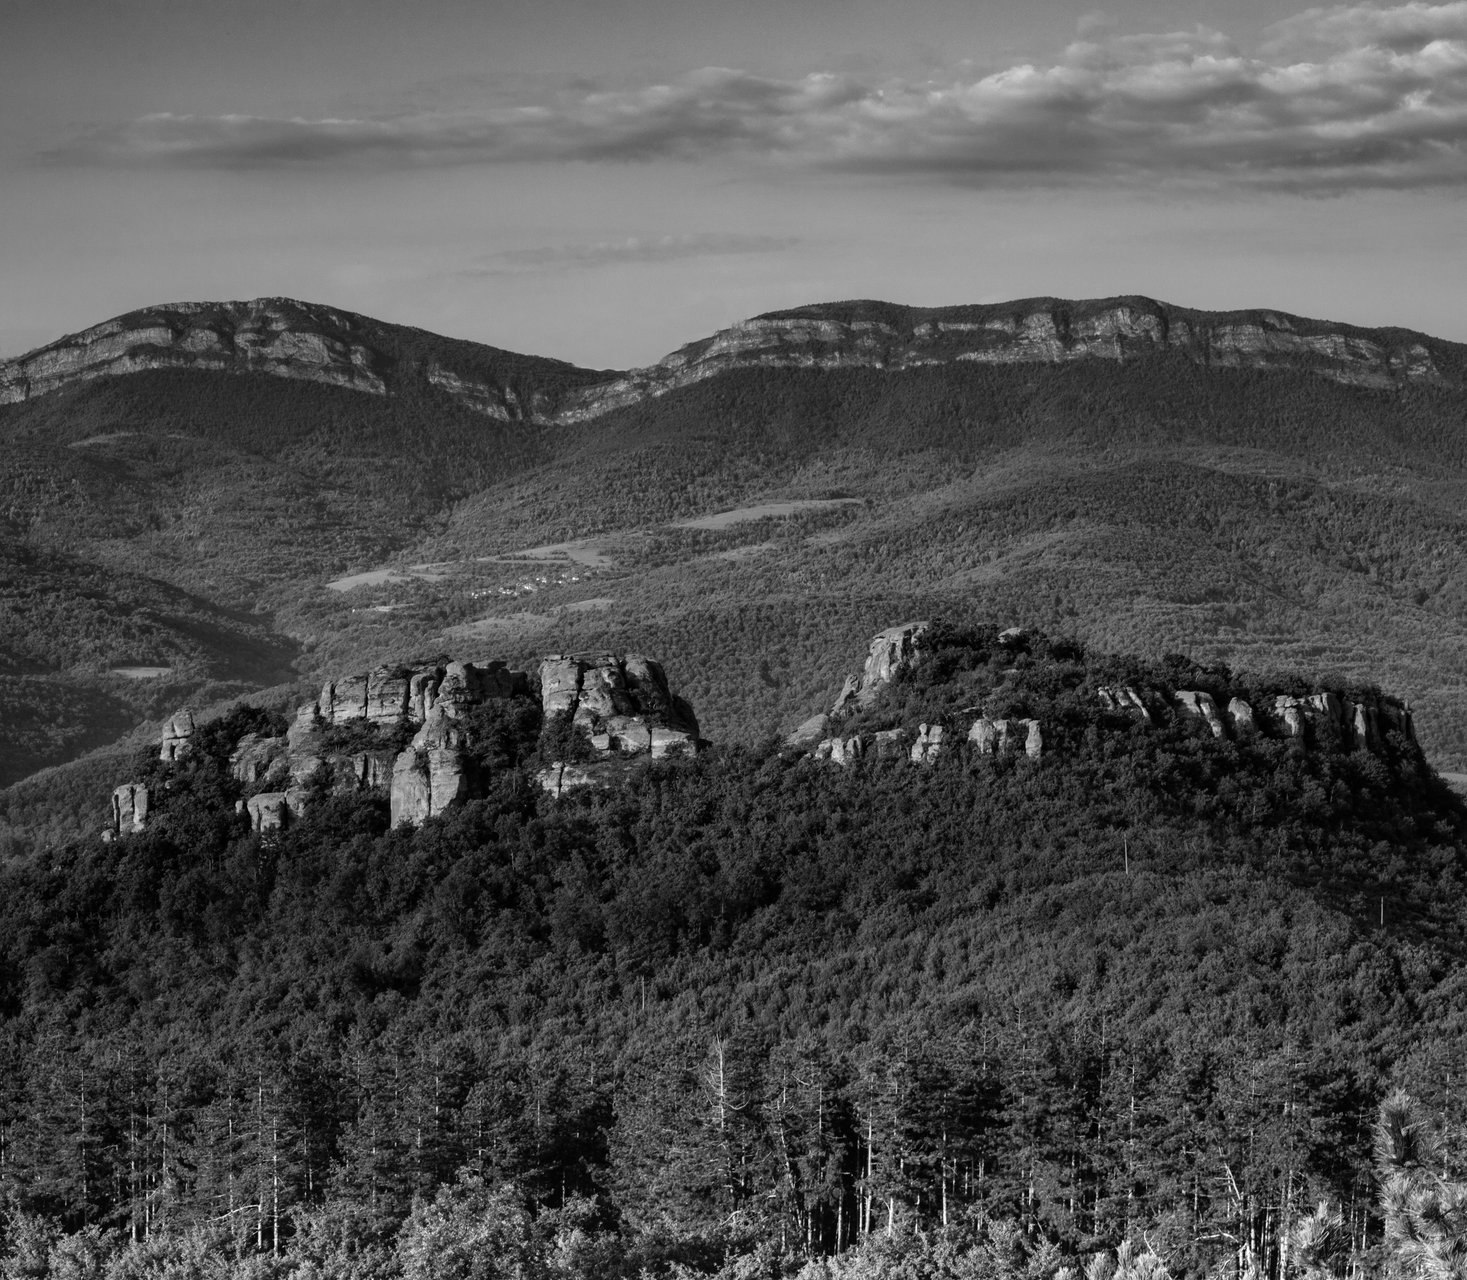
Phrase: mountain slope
(765, 493)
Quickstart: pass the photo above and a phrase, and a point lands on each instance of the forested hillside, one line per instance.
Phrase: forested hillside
(751, 523)
(747, 1009)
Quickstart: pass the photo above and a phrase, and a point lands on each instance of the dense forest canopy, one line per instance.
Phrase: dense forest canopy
(747, 1010)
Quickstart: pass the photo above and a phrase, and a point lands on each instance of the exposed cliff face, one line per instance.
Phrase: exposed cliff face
(1041, 330)
(357, 730)
(623, 703)
(299, 340)
(290, 339)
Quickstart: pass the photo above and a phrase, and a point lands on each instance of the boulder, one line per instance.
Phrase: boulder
(984, 735)
(1123, 698)
(928, 745)
(888, 744)
(810, 731)
(841, 751)
(129, 808)
(1199, 704)
(177, 730)
(1240, 714)
(998, 737)
(269, 811)
(560, 778)
(1290, 712)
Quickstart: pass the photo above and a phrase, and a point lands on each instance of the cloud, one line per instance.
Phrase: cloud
(633, 249)
(1334, 99)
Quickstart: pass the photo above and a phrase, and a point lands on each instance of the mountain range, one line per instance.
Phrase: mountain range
(204, 501)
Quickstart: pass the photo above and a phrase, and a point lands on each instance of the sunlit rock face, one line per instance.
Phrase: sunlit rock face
(285, 338)
(622, 703)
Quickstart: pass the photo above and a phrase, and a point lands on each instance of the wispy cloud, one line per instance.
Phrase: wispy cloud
(632, 249)
(1336, 98)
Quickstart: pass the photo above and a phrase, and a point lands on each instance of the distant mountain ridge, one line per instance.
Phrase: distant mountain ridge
(309, 341)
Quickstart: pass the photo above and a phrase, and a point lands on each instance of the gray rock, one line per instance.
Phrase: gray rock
(888, 744)
(411, 794)
(129, 808)
(1241, 716)
(624, 704)
(1290, 712)
(1199, 704)
(177, 730)
(810, 732)
(387, 696)
(256, 759)
(1123, 698)
(928, 745)
(889, 654)
(984, 735)
(269, 811)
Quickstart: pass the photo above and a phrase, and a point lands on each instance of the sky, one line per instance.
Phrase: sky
(604, 180)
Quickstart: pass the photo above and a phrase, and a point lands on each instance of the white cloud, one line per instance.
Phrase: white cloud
(1335, 99)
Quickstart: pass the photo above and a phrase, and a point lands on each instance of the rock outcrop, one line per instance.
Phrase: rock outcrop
(623, 703)
(177, 730)
(1123, 698)
(1200, 704)
(257, 759)
(1240, 716)
(928, 745)
(129, 808)
(999, 737)
(269, 811)
(1352, 725)
(890, 652)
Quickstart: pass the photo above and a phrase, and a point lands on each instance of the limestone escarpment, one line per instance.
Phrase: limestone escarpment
(1042, 330)
(267, 335)
(291, 339)
(304, 341)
